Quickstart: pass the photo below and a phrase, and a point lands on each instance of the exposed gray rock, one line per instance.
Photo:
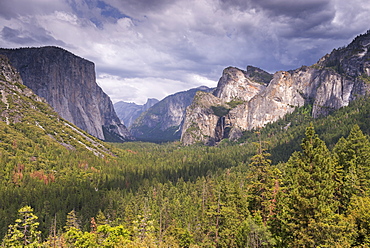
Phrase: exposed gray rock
(235, 133)
(68, 84)
(200, 125)
(336, 80)
(128, 112)
(209, 117)
(235, 84)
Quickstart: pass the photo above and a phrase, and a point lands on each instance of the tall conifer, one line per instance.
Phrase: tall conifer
(353, 155)
(309, 205)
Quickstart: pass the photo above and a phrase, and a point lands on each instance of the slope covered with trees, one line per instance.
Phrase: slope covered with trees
(317, 198)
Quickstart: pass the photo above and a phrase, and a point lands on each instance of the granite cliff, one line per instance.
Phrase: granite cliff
(68, 84)
(246, 100)
(26, 117)
(163, 121)
(128, 112)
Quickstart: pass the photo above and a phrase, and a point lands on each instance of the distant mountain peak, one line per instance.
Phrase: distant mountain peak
(129, 112)
(163, 121)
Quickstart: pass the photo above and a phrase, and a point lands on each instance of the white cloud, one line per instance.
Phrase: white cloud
(139, 89)
(67, 17)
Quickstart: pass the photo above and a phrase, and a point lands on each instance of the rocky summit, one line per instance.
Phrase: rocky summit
(68, 84)
(247, 100)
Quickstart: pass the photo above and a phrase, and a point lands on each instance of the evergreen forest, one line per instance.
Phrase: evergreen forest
(298, 182)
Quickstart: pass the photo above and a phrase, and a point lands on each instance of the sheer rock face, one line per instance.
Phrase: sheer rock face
(19, 104)
(11, 87)
(211, 116)
(200, 125)
(236, 85)
(164, 120)
(68, 84)
(333, 82)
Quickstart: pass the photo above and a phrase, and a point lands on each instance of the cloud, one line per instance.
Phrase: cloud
(179, 44)
(38, 35)
(133, 89)
(138, 8)
(19, 8)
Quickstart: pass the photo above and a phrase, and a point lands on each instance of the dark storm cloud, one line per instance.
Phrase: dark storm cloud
(290, 8)
(138, 8)
(294, 8)
(6, 11)
(36, 37)
(15, 36)
(302, 18)
(17, 8)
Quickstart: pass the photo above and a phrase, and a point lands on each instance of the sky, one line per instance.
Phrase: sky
(152, 48)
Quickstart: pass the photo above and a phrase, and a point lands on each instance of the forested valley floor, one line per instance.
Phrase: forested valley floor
(299, 182)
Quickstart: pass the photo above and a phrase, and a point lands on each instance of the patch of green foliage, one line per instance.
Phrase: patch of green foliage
(220, 110)
(262, 78)
(234, 103)
(365, 78)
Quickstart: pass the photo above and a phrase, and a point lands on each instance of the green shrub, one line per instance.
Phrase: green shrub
(220, 110)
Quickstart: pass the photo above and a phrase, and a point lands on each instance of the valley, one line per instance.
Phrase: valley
(286, 165)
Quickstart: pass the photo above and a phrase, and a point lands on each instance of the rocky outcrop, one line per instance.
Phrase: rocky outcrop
(128, 112)
(68, 84)
(201, 125)
(236, 84)
(210, 117)
(250, 102)
(163, 121)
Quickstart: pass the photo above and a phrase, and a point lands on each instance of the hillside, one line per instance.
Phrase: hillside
(36, 144)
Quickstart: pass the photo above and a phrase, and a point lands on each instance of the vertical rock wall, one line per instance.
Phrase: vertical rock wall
(68, 84)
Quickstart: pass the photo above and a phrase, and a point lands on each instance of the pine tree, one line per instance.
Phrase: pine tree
(72, 221)
(353, 154)
(308, 205)
(264, 185)
(359, 213)
(101, 219)
(72, 227)
(24, 232)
